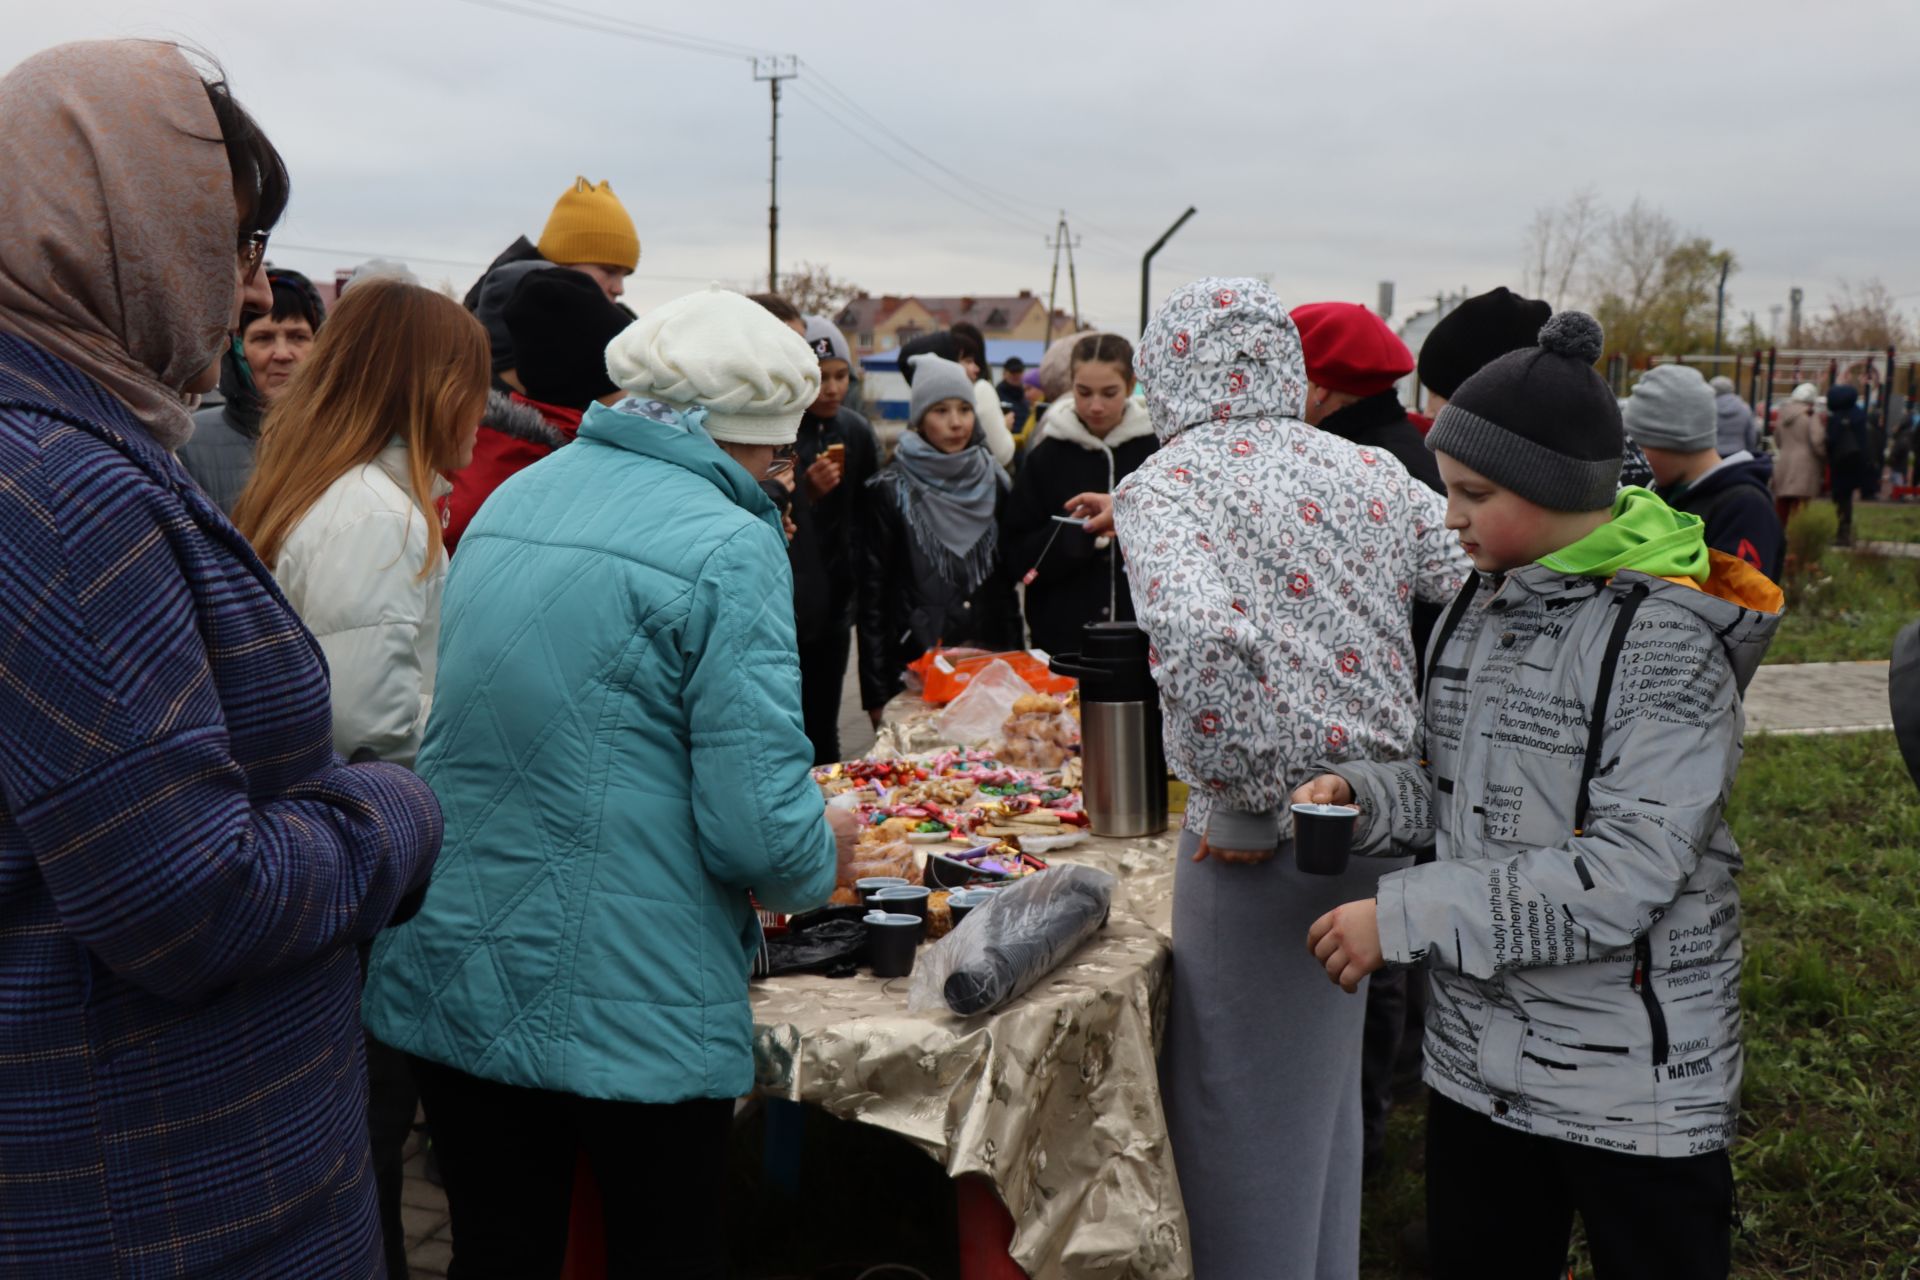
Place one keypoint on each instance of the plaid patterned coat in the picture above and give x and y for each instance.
(184, 867)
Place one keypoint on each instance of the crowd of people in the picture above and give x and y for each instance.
(407, 725)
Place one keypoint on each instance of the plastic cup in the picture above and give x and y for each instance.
(961, 905)
(867, 886)
(892, 938)
(908, 898)
(1323, 837)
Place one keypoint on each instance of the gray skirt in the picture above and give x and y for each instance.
(1260, 1070)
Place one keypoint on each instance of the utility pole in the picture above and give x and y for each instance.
(1063, 241)
(1720, 308)
(773, 70)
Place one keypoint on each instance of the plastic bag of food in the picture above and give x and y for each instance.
(1024, 933)
(946, 673)
(1039, 734)
(978, 715)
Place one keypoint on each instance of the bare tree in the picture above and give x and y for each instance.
(810, 286)
(1864, 318)
(1560, 243)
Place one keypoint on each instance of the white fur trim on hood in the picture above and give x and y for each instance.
(1063, 423)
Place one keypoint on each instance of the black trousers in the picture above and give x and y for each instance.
(391, 1099)
(508, 1157)
(1501, 1203)
(1380, 1054)
(823, 676)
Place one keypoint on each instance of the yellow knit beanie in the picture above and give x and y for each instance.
(589, 225)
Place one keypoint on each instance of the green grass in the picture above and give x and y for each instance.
(1828, 1159)
(1850, 610)
(1886, 522)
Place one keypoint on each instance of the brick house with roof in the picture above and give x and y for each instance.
(879, 324)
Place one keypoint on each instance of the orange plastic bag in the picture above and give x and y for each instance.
(944, 674)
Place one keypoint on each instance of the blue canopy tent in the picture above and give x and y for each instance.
(886, 387)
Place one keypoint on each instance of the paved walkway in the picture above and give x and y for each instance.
(1819, 697)
(1890, 550)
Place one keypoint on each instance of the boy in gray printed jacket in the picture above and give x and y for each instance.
(1581, 926)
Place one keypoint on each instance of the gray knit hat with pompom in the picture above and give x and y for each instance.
(1540, 421)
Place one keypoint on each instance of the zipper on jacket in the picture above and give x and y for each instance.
(1643, 983)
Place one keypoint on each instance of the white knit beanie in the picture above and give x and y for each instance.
(720, 350)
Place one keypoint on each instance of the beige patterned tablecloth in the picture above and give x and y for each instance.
(1055, 1099)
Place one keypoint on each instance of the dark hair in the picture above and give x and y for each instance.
(783, 311)
(294, 298)
(1104, 348)
(260, 181)
(972, 343)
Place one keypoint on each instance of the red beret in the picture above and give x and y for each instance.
(1350, 349)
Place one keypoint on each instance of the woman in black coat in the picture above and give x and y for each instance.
(933, 572)
(1088, 443)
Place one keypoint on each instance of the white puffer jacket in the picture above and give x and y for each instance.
(351, 568)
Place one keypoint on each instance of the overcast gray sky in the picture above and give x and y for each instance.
(1328, 145)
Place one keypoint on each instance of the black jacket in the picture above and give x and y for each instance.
(219, 455)
(521, 250)
(1736, 501)
(905, 607)
(1073, 583)
(1380, 422)
(826, 565)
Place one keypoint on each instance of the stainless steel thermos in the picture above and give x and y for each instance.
(1124, 761)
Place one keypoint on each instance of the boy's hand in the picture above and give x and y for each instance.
(823, 477)
(1328, 788)
(1347, 941)
(1096, 509)
(1243, 857)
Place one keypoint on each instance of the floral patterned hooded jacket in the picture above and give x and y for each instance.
(1273, 566)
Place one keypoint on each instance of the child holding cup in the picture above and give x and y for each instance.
(1580, 928)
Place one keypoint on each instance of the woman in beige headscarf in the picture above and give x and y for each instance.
(1802, 436)
(185, 865)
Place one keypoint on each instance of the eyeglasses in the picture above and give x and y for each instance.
(783, 461)
(253, 252)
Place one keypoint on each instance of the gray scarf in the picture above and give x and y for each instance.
(949, 501)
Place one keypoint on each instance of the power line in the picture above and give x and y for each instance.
(581, 18)
(610, 27)
(824, 81)
(958, 196)
(367, 255)
(362, 255)
(726, 47)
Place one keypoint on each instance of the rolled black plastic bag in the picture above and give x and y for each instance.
(1022, 934)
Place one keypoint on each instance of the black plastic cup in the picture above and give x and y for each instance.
(1323, 837)
(962, 904)
(892, 939)
(908, 898)
(867, 886)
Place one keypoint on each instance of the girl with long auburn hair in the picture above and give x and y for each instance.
(343, 508)
(343, 501)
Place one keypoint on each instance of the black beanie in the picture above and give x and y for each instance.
(561, 322)
(1476, 333)
(1541, 422)
(938, 343)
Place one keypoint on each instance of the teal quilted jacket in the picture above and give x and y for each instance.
(616, 743)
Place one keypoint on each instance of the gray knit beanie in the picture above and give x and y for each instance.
(1540, 421)
(936, 379)
(1672, 408)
